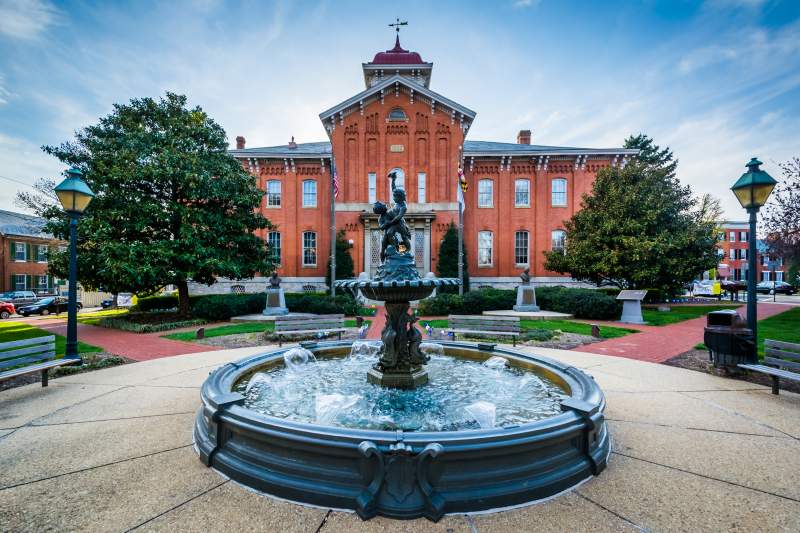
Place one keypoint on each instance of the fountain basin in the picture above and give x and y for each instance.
(404, 474)
(397, 290)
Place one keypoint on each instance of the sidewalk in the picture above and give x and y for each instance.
(136, 346)
(658, 344)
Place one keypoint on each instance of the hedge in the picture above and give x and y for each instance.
(225, 306)
(135, 327)
(582, 303)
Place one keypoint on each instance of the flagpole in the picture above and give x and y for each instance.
(461, 247)
(333, 229)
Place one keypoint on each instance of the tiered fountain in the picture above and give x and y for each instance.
(401, 427)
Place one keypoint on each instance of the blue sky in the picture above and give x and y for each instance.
(718, 81)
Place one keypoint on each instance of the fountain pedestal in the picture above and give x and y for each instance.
(401, 364)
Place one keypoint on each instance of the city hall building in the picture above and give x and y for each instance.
(518, 198)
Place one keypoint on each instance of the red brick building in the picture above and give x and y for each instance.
(519, 193)
(733, 250)
(23, 254)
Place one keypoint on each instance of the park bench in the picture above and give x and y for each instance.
(29, 356)
(484, 326)
(308, 324)
(781, 360)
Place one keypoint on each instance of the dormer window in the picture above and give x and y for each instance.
(397, 114)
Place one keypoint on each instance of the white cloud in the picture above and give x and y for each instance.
(4, 93)
(26, 19)
(526, 3)
(23, 161)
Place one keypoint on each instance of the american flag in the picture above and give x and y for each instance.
(335, 181)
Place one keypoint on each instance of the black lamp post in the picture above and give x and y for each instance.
(74, 195)
(752, 191)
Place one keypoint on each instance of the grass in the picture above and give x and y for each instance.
(234, 329)
(566, 326)
(679, 313)
(94, 317)
(783, 327)
(17, 331)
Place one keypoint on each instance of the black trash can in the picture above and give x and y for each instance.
(728, 339)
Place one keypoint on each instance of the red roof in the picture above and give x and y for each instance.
(397, 56)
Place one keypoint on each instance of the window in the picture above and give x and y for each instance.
(484, 248)
(397, 114)
(721, 236)
(779, 276)
(421, 187)
(559, 240)
(737, 274)
(485, 193)
(309, 193)
(521, 248)
(273, 193)
(732, 237)
(20, 251)
(742, 236)
(41, 282)
(41, 253)
(559, 192)
(19, 282)
(763, 260)
(522, 193)
(309, 248)
(743, 254)
(732, 254)
(765, 275)
(274, 246)
(372, 184)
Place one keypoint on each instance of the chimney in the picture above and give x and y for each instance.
(524, 137)
(240, 143)
(292, 144)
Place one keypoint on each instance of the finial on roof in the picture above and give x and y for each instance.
(292, 144)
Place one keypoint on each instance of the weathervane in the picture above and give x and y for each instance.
(397, 25)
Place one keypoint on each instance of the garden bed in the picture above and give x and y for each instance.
(149, 322)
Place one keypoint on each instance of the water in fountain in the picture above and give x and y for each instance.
(461, 394)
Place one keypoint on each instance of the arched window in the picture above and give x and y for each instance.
(521, 248)
(485, 243)
(273, 193)
(397, 114)
(559, 241)
(485, 193)
(274, 246)
(309, 248)
(559, 192)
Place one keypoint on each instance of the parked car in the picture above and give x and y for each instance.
(45, 306)
(108, 302)
(780, 287)
(6, 309)
(19, 297)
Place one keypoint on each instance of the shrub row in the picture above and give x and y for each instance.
(225, 306)
(582, 303)
(135, 327)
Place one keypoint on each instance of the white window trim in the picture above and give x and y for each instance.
(553, 192)
(280, 248)
(303, 193)
(732, 236)
(372, 187)
(38, 247)
(552, 248)
(422, 185)
(24, 282)
(528, 204)
(303, 251)
(527, 247)
(491, 249)
(280, 194)
(491, 196)
(24, 252)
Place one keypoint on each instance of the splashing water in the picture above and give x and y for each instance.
(462, 394)
(496, 362)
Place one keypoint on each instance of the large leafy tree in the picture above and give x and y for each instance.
(651, 155)
(172, 205)
(344, 261)
(639, 228)
(447, 267)
(781, 219)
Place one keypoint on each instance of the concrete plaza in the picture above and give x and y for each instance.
(112, 450)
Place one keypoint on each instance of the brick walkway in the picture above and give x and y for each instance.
(136, 346)
(378, 321)
(658, 344)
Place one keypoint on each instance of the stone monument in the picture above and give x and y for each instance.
(276, 302)
(526, 295)
(632, 306)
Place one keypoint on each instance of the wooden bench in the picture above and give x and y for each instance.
(781, 360)
(299, 325)
(29, 356)
(484, 325)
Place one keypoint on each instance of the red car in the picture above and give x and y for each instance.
(6, 309)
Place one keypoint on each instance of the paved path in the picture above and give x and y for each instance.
(658, 344)
(136, 346)
(111, 450)
(376, 326)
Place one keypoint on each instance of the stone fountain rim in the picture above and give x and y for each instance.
(421, 282)
(217, 390)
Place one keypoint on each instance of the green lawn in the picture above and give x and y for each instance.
(567, 326)
(783, 327)
(233, 329)
(17, 331)
(94, 317)
(679, 313)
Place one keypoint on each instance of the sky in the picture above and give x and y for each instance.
(718, 81)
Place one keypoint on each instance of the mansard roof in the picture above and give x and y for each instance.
(489, 148)
(303, 150)
(329, 116)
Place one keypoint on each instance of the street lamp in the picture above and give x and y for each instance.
(752, 191)
(74, 195)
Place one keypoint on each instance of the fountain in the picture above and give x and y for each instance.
(401, 427)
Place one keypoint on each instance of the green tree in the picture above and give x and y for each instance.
(781, 220)
(172, 205)
(447, 267)
(651, 155)
(638, 229)
(344, 261)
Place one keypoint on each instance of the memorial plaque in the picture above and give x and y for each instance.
(397, 148)
(632, 295)
(528, 297)
(273, 299)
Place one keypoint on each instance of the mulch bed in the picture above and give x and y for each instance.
(698, 361)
